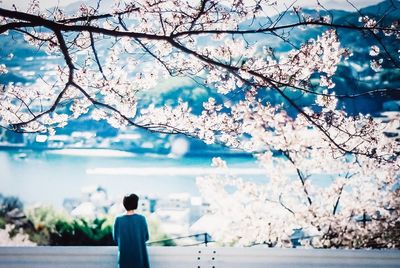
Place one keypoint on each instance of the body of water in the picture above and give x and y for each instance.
(47, 177)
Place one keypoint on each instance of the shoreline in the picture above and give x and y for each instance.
(21, 148)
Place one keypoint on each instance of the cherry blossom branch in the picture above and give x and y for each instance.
(300, 176)
(55, 26)
(96, 56)
(377, 38)
(283, 27)
(176, 40)
(284, 206)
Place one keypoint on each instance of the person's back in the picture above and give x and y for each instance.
(131, 234)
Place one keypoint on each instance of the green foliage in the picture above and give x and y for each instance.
(44, 220)
(51, 227)
(2, 223)
(82, 232)
(46, 216)
(55, 228)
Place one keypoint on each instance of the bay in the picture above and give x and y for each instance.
(49, 176)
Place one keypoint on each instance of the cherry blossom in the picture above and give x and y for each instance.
(374, 51)
(376, 65)
(330, 174)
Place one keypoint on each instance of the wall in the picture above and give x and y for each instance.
(186, 257)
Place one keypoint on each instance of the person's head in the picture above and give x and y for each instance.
(131, 202)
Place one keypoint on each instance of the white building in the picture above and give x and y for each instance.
(178, 212)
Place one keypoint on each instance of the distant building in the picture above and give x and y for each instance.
(59, 141)
(70, 204)
(198, 208)
(173, 213)
(147, 204)
(93, 203)
(126, 140)
(178, 212)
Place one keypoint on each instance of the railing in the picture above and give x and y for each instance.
(202, 239)
(198, 257)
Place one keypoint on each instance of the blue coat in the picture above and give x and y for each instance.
(130, 234)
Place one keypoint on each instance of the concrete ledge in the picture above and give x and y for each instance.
(186, 257)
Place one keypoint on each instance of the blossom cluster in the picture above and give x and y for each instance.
(112, 59)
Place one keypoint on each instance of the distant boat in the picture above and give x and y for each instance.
(20, 156)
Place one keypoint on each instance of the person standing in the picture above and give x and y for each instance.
(130, 234)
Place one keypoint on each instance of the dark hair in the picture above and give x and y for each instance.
(131, 202)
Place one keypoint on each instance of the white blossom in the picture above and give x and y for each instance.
(376, 65)
(374, 51)
(138, 45)
(3, 69)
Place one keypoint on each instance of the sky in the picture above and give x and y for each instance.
(330, 4)
(23, 4)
